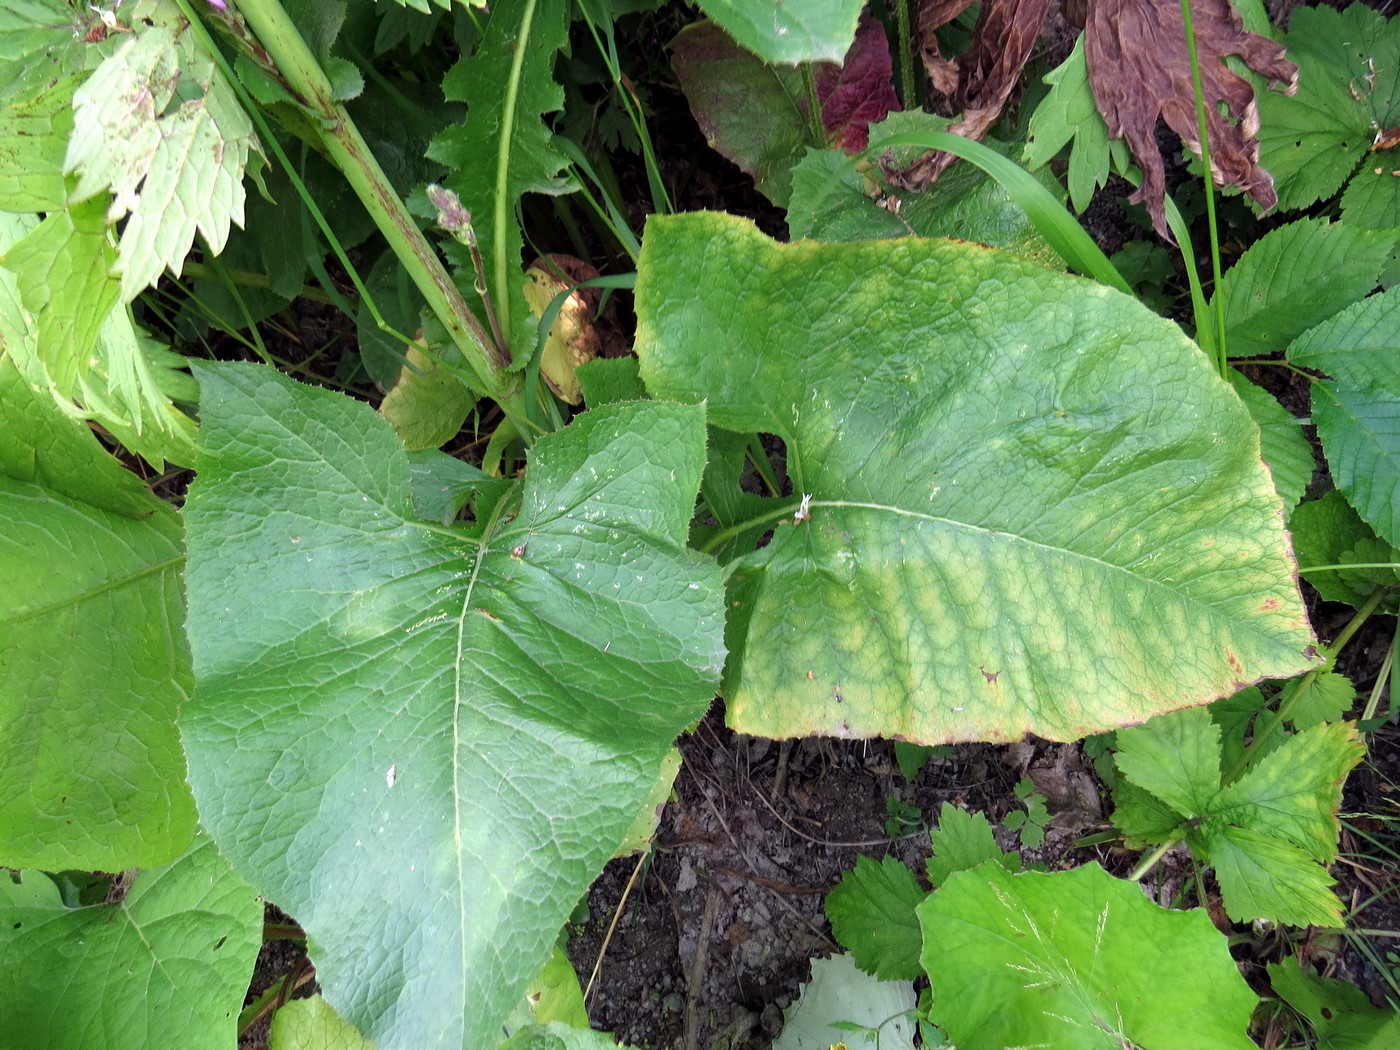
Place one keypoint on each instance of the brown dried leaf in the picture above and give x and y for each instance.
(987, 74)
(1139, 69)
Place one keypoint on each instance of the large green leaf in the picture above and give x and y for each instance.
(471, 719)
(1034, 507)
(1060, 961)
(1357, 409)
(789, 33)
(95, 665)
(33, 141)
(167, 964)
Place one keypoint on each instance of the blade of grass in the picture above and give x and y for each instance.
(1048, 215)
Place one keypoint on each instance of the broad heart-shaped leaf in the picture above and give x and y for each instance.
(167, 965)
(1057, 961)
(1033, 505)
(95, 664)
(1357, 409)
(506, 150)
(157, 125)
(787, 33)
(471, 721)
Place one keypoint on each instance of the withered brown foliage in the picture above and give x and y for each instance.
(1139, 70)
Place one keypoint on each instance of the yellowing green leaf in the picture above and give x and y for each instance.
(428, 404)
(1012, 528)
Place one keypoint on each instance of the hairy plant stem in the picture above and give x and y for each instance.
(815, 128)
(907, 89)
(348, 150)
(1150, 861)
(1203, 130)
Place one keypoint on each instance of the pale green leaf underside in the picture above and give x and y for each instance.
(94, 672)
(168, 965)
(387, 703)
(1056, 961)
(1034, 506)
(173, 164)
(789, 33)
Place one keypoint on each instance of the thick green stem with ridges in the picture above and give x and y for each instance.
(350, 153)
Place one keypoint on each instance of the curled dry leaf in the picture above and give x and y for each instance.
(573, 338)
(981, 81)
(1139, 69)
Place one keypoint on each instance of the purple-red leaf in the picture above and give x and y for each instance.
(859, 92)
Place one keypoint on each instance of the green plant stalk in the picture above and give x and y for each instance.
(906, 54)
(350, 153)
(1203, 129)
(816, 130)
(1150, 861)
(500, 214)
(1272, 723)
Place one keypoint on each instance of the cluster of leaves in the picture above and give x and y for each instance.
(351, 661)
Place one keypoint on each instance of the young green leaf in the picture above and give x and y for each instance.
(1357, 409)
(786, 34)
(1176, 757)
(1057, 961)
(1328, 531)
(167, 964)
(474, 717)
(158, 127)
(1295, 277)
(962, 841)
(1261, 876)
(984, 443)
(872, 916)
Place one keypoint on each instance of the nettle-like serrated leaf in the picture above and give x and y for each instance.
(1141, 815)
(473, 719)
(1055, 961)
(962, 841)
(158, 127)
(1010, 530)
(785, 33)
(1295, 277)
(1295, 791)
(1176, 757)
(1327, 698)
(167, 965)
(63, 270)
(95, 665)
(872, 916)
(1357, 409)
(1348, 91)
(123, 381)
(1284, 445)
(41, 40)
(505, 149)
(1328, 531)
(1260, 875)
(33, 141)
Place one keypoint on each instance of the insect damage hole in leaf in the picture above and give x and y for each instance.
(1012, 472)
